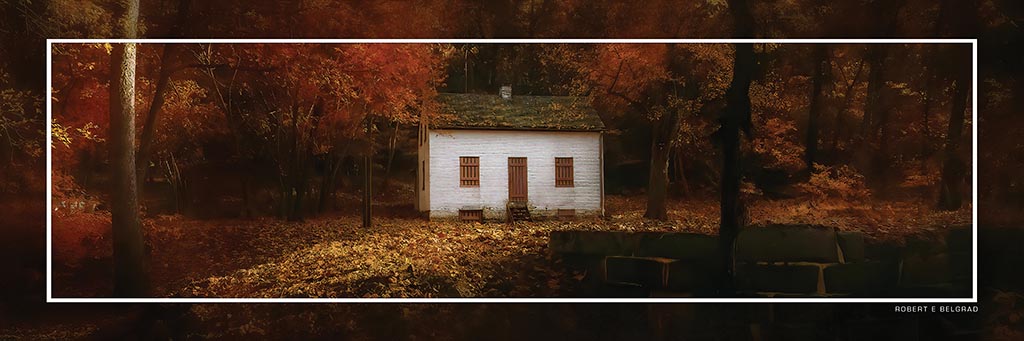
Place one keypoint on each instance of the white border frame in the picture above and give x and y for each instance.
(974, 162)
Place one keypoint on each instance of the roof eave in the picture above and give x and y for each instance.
(519, 128)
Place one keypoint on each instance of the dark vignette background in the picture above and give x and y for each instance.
(996, 23)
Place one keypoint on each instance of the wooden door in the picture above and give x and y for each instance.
(517, 183)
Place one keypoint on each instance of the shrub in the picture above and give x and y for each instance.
(81, 237)
(69, 198)
(843, 182)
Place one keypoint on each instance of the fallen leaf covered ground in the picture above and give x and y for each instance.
(332, 256)
(400, 258)
(407, 257)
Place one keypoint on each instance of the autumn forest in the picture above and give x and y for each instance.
(297, 170)
(262, 137)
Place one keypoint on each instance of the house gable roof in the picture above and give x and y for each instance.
(488, 111)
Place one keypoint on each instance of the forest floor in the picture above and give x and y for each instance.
(332, 256)
(408, 257)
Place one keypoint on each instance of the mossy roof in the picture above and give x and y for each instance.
(490, 111)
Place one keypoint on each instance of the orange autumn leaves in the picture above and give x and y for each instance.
(344, 82)
(392, 81)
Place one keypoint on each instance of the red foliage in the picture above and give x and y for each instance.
(81, 237)
(80, 232)
(79, 103)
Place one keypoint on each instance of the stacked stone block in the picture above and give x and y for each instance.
(769, 261)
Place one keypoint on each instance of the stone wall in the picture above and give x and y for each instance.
(769, 261)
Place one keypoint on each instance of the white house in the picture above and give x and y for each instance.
(497, 157)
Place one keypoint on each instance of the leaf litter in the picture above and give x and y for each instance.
(407, 257)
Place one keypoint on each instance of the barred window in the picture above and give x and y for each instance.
(563, 172)
(469, 171)
(566, 212)
(471, 215)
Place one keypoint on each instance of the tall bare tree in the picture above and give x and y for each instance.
(735, 117)
(954, 169)
(130, 272)
(368, 175)
(820, 75)
(876, 127)
(167, 67)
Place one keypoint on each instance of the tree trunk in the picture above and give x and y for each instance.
(149, 129)
(821, 72)
(130, 272)
(174, 179)
(927, 108)
(736, 116)
(300, 187)
(954, 169)
(657, 182)
(663, 133)
(882, 161)
(331, 179)
(326, 184)
(144, 155)
(247, 211)
(285, 184)
(676, 160)
(294, 164)
(368, 176)
(282, 208)
(872, 104)
(926, 148)
(874, 127)
(325, 188)
(297, 213)
(392, 148)
(847, 99)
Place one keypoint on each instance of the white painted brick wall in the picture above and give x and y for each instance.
(494, 147)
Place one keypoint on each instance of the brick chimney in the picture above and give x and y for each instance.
(506, 92)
